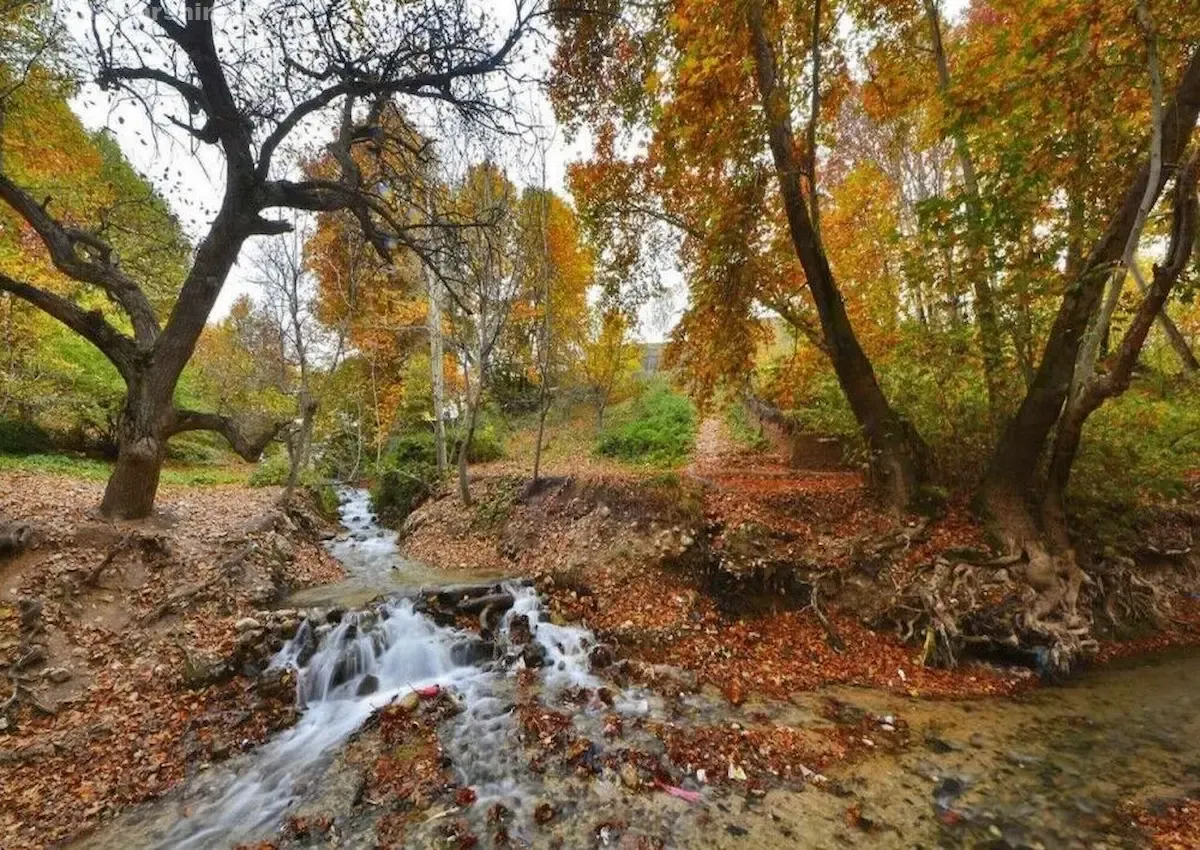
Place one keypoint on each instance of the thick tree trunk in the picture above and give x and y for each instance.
(897, 452)
(141, 450)
(1006, 486)
(1097, 389)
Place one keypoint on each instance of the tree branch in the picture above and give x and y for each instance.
(248, 447)
(99, 269)
(114, 345)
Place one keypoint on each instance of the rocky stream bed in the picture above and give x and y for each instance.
(453, 711)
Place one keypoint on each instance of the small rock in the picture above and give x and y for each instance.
(739, 831)
(629, 776)
(534, 655)
(368, 686)
(409, 702)
(600, 656)
(247, 624)
(58, 675)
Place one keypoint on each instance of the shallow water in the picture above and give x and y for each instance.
(371, 555)
(1049, 769)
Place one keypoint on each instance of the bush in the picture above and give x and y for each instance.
(271, 471)
(656, 428)
(407, 476)
(21, 437)
(400, 491)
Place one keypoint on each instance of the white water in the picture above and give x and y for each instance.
(402, 650)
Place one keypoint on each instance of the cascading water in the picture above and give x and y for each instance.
(369, 658)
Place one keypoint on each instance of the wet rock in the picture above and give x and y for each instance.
(600, 656)
(247, 624)
(519, 632)
(276, 682)
(368, 686)
(629, 776)
(335, 615)
(534, 655)
(474, 651)
(947, 790)
(201, 670)
(409, 702)
(474, 605)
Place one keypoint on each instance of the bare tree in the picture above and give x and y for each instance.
(250, 85)
(288, 290)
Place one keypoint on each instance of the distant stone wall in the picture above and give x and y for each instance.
(801, 449)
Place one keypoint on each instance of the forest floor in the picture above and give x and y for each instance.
(135, 656)
(127, 648)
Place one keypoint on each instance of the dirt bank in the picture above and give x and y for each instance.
(127, 646)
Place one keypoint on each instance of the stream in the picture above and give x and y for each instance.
(1047, 770)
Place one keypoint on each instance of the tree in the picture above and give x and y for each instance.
(245, 90)
(284, 279)
(485, 261)
(729, 93)
(611, 361)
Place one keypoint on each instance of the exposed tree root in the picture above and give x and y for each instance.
(958, 609)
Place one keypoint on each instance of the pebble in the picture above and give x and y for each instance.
(58, 675)
(247, 624)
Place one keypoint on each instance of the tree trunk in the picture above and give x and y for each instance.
(437, 369)
(1097, 389)
(141, 450)
(299, 453)
(464, 448)
(897, 452)
(977, 243)
(1014, 460)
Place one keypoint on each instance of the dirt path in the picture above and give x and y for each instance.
(745, 486)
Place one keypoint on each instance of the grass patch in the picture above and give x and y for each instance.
(657, 428)
(90, 469)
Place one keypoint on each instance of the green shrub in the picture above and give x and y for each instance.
(272, 470)
(488, 442)
(657, 428)
(400, 491)
(407, 475)
(21, 437)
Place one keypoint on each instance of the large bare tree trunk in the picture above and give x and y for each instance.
(897, 451)
(141, 451)
(437, 369)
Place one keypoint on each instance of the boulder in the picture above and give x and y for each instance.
(474, 651)
(247, 624)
